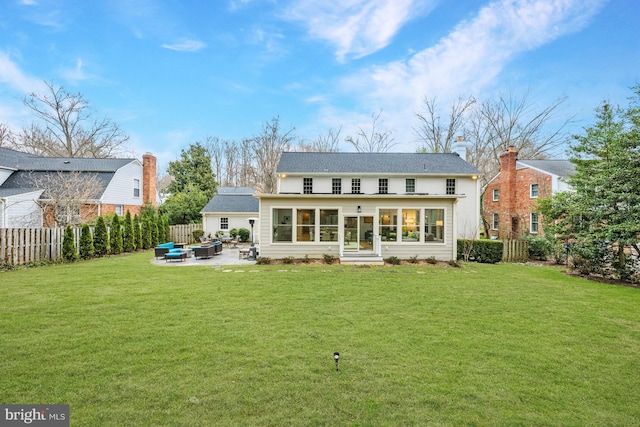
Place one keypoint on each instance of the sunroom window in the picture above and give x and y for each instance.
(410, 225)
(305, 225)
(388, 225)
(281, 225)
(434, 225)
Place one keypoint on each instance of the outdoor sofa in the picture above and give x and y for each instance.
(207, 251)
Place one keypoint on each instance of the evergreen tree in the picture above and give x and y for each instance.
(137, 231)
(146, 232)
(68, 245)
(100, 238)
(128, 237)
(86, 243)
(154, 230)
(115, 236)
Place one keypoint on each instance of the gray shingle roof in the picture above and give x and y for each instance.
(26, 180)
(561, 168)
(401, 163)
(29, 162)
(233, 199)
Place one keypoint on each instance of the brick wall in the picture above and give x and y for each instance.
(514, 205)
(149, 180)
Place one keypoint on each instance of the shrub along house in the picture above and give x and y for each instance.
(27, 181)
(369, 205)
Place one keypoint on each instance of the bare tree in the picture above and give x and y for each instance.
(513, 121)
(328, 142)
(7, 139)
(267, 148)
(68, 127)
(66, 194)
(436, 135)
(232, 163)
(215, 149)
(373, 141)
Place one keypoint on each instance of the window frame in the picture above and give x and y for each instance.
(435, 229)
(356, 186)
(531, 191)
(495, 221)
(533, 215)
(307, 185)
(410, 185)
(224, 223)
(383, 185)
(336, 185)
(495, 194)
(450, 186)
(136, 188)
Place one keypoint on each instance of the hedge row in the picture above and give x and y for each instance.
(486, 251)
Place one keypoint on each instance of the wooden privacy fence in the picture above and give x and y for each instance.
(24, 245)
(183, 233)
(515, 251)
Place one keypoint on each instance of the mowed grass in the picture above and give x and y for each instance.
(124, 342)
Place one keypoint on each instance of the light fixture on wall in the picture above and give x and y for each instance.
(439, 223)
(359, 209)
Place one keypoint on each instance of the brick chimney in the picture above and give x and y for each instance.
(149, 180)
(507, 191)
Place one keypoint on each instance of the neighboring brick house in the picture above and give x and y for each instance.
(510, 199)
(124, 185)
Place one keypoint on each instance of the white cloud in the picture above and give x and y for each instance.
(470, 58)
(185, 45)
(356, 27)
(12, 75)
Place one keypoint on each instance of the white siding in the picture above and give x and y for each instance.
(4, 174)
(211, 222)
(120, 189)
(348, 206)
(21, 210)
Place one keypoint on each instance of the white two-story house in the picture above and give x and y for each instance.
(369, 205)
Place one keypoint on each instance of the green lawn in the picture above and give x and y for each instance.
(126, 343)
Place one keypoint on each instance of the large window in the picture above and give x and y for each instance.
(411, 225)
(388, 225)
(281, 225)
(307, 185)
(434, 225)
(328, 225)
(410, 185)
(336, 186)
(534, 223)
(355, 185)
(383, 185)
(305, 225)
(451, 186)
(534, 191)
(224, 223)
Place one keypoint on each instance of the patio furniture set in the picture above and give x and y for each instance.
(177, 252)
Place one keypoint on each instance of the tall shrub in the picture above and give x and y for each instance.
(154, 230)
(137, 231)
(86, 243)
(100, 238)
(115, 236)
(68, 245)
(128, 238)
(146, 232)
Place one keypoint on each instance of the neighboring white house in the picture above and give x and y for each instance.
(125, 184)
(231, 207)
(370, 204)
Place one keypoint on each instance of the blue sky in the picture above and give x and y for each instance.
(173, 72)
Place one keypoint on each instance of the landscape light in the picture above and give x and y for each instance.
(336, 356)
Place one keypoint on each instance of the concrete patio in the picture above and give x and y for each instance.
(229, 256)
